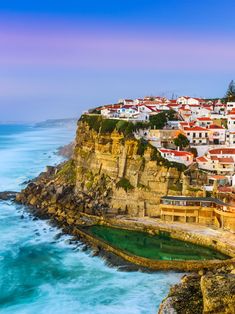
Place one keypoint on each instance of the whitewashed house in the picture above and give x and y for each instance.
(217, 134)
(182, 157)
(197, 135)
(218, 160)
(203, 122)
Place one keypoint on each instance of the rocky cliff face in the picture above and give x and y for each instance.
(134, 182)
(203, 293)
(110, 173)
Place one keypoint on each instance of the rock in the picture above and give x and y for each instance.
(218, 293)
(184, 298)
(8, 195)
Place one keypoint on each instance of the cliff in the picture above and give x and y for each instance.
(133, 174)
(110, 172)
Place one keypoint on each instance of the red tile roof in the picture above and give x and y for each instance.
(195, 128)
(175, 152)
(226, 160)
(201, 159)
(204, 119)
(222, 151)
(215, 126)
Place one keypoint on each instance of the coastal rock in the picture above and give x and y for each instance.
(7, 195)
(212, 292)
(185, 298)
(218, 293)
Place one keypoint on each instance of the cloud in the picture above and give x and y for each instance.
(98, 48)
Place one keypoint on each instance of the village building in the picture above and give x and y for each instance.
(218, 160)
(202, 210)
(197, 135)
(182, 157)
(217, 134)
(230, 138)
(186, 100)
(230, 106)
(203, 122)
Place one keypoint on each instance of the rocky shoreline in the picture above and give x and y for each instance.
(208, 290)
(211, 292)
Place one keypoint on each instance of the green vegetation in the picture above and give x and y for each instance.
(193, 150)
(124, 184)
(99, 124)
(142, 146)
(230, 94)
(67, 173)
(159, 120)
(181, 141)
(108, 125)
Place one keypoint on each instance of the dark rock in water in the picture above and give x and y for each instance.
(84, 248)
(8, 195)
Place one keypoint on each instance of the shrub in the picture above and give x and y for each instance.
(124, 184)
(108, 125)
(68, 172)
(142, 146)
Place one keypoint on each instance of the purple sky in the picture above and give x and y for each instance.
(56, 66)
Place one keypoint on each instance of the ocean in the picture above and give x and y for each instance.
(41, 271)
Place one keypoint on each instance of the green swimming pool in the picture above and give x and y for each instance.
(157, 247)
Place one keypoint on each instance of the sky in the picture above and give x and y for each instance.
(58, 58)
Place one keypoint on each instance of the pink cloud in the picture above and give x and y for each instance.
(80, 47)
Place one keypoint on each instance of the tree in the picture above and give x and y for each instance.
(181, 141)
(231, 90)
(158, 121)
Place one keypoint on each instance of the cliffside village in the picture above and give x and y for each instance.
(209, 126)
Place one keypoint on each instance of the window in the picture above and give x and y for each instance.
(194, 134)
(200, 134)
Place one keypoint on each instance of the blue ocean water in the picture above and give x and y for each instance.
(41, 272)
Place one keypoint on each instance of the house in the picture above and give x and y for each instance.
(185, 113)
(231, 120)
(219, 108)
(162, 138)
(182, 157)
(132, 113)
(218, 160)
(217, 134)
(230, 138)
(204, 122)
(230, 106)
(197, 135)
(218, 165)
(186, 100)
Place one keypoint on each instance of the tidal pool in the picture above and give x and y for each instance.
(157, 247)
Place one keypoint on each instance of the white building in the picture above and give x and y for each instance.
(230, 106)
(218, 160)
(204, 122)
(186, 100)
(217, 134)
(197, 135)
(182, 157)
